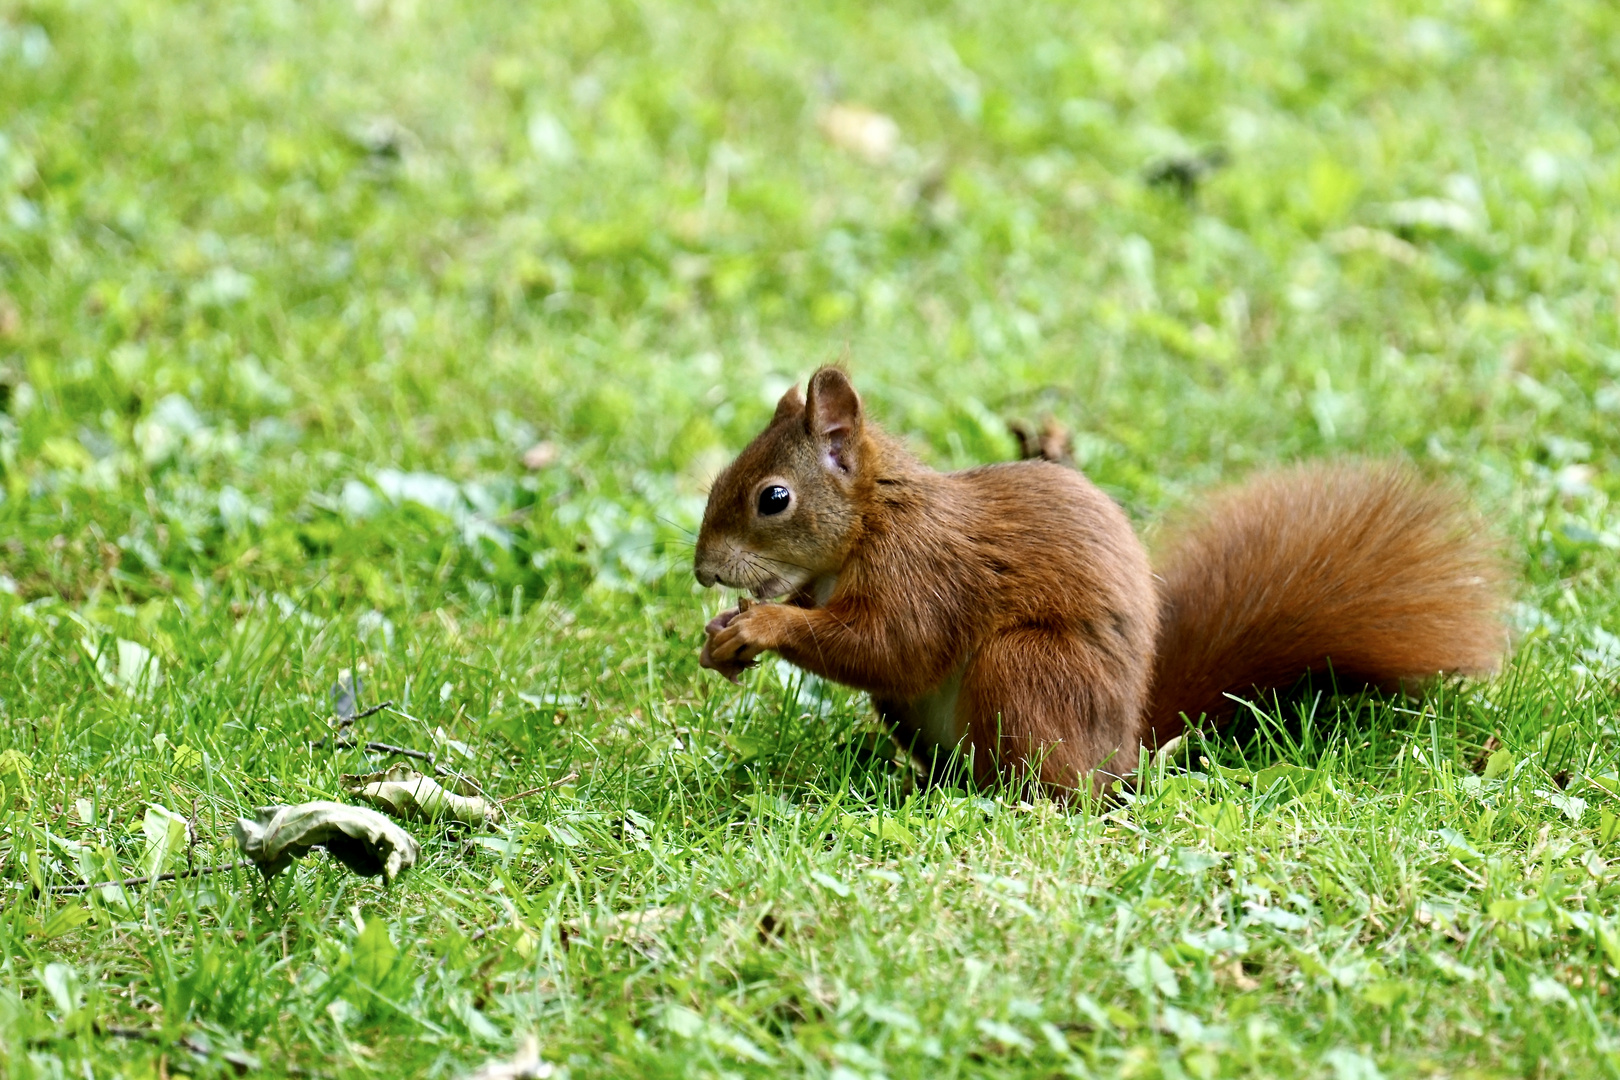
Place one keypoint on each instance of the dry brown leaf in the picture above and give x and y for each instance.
(642, 925)
(1377, 241)
(524, 1065)
(638, 929)
(406, 793)
(361, 839)
(542, 455)
(864, 132)
(1240, 978)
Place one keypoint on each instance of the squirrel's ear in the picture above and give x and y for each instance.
(833, 415)
(791, 404)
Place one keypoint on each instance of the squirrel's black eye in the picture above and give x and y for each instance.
(774, 500)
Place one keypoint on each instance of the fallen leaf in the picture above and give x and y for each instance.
(406, 793)
(1434, 215)
(830, 882)
(361, 839)
(641, 926)
(241, 1060)
(1550, 991)
(861, 131)
(383, 137)
(128, 666)
(524, 1065)
(165, 835)
(62, 983)
(644, 930)
(1240, 978)
(1572, 806)
(427, 489)
(540, 456)
(1377, 241)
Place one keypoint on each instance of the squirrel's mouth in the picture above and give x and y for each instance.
(749, 572)
(772, 589)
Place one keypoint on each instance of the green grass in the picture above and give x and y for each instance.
(286, 289)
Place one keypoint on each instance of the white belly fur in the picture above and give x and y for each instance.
(822, 588)
(934, 717)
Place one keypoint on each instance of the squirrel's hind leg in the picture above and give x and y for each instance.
(1052, 707)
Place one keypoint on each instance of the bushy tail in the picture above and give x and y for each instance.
(1366, 569)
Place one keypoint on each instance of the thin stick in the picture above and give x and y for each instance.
(175, 876)
(372, 710)
(403, 751)
(346, 722)
(389, 748)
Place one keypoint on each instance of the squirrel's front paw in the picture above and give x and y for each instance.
(707, 658)
(735, 638)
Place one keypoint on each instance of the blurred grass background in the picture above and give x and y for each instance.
(288, 289)
(420, 236)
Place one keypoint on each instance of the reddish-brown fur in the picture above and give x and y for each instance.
(1362, 567)
(1010, 610)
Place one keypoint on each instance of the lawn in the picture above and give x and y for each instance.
(289, 291)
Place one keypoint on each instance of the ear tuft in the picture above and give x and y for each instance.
(790, 405)
(833, 415)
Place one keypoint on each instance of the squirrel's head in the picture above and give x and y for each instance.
(785, 512)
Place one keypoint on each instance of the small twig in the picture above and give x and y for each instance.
(86, 886)
(342, 742)
(387, 748)
(191, 837)
(345, 722)
(373, 710)
(559, 782)
(403, 751)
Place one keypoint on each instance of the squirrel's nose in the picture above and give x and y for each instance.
(705, 577)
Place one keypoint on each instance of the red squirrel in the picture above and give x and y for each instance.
(1010, 611)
